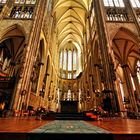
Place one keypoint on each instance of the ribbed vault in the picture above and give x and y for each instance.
(70, 17)
(126, 49)
(70, 20)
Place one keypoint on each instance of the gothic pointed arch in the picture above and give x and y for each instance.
(13, 30)
(12, 54)
(128, 32)
(125, 46)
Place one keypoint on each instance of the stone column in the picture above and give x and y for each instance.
(67, 52)
(32, 49)
(62, 63)
(120, 99)
(108, 81)
(130, 94)
(136, 82)
(72, 64)
(103, 44)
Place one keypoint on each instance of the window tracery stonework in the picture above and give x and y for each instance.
(68, 63)
(116, 11)
(23, 9)
(22, 12)
(117, 14)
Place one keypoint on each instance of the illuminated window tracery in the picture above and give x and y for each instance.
(68, 63)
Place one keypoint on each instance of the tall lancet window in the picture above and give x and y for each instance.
(74, 60)
(69, 60)
(61, 60)
(64, 64)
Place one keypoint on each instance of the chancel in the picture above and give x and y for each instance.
(72, 65)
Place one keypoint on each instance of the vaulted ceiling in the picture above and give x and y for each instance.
(126, 49)
(70, 21)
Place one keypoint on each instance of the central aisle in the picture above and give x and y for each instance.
(70, 126)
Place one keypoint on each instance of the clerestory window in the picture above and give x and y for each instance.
(135, 3)
(25, 1)
(116, 11)
(114, 3)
